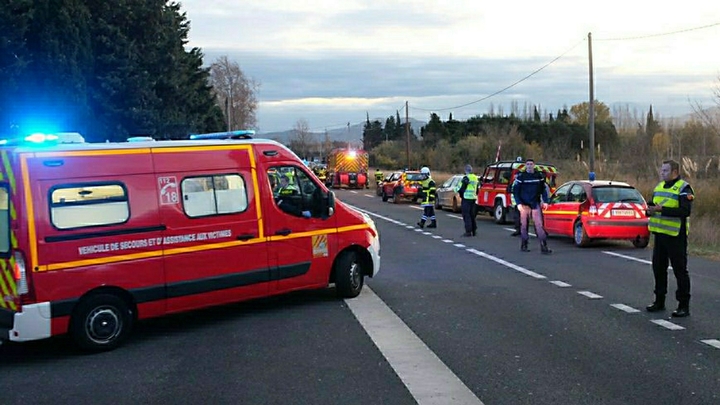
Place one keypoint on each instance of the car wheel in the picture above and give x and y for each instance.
(101, 322)
(384, 196)
(499, 213)
(349, 277)
(437, 204)
(641, 243)
(580, 237)
(455, 206)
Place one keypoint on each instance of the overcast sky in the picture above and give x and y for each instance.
(330, 62)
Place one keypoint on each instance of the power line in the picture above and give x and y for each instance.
(660, 34)
(506, 88)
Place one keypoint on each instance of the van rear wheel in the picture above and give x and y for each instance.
(101, 322)
(349, 277)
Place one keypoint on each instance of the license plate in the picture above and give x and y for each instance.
(623, 213)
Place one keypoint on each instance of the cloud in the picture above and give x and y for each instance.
(331, 62)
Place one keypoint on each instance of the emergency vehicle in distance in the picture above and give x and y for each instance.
(347, 168)
(494, 188)
(94, 237)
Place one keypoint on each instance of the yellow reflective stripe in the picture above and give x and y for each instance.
(9, 170)
(7, 284)
(196, 248)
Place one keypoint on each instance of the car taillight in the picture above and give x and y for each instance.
(20, 274)
(593, 210)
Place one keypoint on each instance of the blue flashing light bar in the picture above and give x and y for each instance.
(41, 138)
(241, 134)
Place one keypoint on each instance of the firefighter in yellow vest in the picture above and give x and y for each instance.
(468, 188)
(378, 176)
(428, 199)
(669, 212)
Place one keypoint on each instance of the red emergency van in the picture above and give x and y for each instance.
(94, 237)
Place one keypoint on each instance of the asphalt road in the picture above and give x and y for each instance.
(447, 320)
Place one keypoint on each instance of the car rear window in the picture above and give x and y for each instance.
(617, 194)
(414, 176)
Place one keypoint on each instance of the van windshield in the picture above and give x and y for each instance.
(4, 218)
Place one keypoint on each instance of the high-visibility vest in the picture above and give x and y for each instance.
(471, 189)
(287, 190)
(670, 198)
(378, 175)
(428, 189)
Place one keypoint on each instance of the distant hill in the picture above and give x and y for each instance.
(354, 134)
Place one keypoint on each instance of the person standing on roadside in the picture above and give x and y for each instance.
(467, 188)
(669, 212)
(515, 210)
(427, 194)
(531, 195)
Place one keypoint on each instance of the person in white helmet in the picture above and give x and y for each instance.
(427, 201)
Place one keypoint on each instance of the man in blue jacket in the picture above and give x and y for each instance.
(531, 197)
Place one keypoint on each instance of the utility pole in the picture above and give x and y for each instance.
(591, 118)
(407, 134)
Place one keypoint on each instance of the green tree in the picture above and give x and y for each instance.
(433, 132)
(581, 113)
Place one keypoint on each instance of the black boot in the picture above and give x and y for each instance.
(433, 224)
(544, 249)
(524, 246)
(421, 224)
(682, 311)
(658, 305)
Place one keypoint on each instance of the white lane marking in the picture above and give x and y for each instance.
(353, 191)
(590, 295)
(635, 259)
(560, 283)
(437, 237)
(409, 227)
(448, 241)
(415, 207)
(460, 245)
(627, 257)
(506, 264)
(419, 230)
(369, 195)
(455, 216)
(427, 378)
(666, 324)
(426, 233)
(712, 342)
(625, 308)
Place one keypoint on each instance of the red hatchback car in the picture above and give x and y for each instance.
(600, 209)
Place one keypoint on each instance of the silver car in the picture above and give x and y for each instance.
(445, 195)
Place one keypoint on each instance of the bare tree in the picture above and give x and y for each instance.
(235, 93)
(302, 140)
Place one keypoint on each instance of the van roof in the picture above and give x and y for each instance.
(140, 144)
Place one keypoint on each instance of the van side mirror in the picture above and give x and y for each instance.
(330, 202)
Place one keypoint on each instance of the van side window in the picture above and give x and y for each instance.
(295, 192)
(4, 218)
(214, 195)
(82, 205)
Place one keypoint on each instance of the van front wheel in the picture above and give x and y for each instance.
(101, 322)
(349, 278)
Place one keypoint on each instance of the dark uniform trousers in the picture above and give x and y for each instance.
(468, 212)
(671, 249)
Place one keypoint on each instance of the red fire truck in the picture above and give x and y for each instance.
(347, 168)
